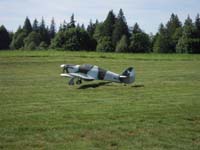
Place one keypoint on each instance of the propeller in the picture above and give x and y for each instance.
(63, 66)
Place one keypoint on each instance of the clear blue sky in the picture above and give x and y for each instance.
(148, 13)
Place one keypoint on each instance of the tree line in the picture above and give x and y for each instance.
(111, 35)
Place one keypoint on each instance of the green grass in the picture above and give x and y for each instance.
(38, 110)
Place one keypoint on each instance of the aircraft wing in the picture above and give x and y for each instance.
(82, 76)
(77, 75)
(66, 75)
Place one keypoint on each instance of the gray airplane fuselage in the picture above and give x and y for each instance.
(92, 72)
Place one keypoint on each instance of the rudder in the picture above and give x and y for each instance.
(128, 76)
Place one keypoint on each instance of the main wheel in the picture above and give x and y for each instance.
(78, 82)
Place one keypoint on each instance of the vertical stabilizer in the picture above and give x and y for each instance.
(128, 76)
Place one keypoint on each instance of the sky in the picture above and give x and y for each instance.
(147, 13)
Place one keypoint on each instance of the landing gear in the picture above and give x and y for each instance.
(79, 81)
(71, 82)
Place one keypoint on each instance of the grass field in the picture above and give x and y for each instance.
(38, 110)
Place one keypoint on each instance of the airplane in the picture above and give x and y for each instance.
(89, 72)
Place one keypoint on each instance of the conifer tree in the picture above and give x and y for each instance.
(52, 30)
(172, 27)
(185, 43)
(139, 41)
(42, 25)
(162, 40)
(91, 28)
(108, 25)
(197, 26)
(72, 22)
(64, 25)
(27, 26)
(4, 38)
(121, 28)
(173, 24)
(43, 31)
(35, 25)
(98, 33)
(136, 29)
(83, 27)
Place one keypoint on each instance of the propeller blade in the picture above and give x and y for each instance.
(62, 66)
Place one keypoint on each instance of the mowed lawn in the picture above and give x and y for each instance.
(39, 110)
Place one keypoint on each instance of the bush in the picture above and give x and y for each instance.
(43, 46)
(122, 45)
(105, 45)
(140, 43)
(31, 46)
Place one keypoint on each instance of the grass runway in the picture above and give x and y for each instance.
(39, 110)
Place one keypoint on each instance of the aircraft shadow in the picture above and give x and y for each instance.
(137, 86)
(94, 85)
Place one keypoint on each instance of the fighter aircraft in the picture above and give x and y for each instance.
(89, 72)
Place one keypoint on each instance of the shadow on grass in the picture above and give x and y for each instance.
(94, 85)
(137, 86)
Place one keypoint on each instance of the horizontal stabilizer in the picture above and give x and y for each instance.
(122, 77)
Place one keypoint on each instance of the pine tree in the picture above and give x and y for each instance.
(121, 28)
(4, 38)
(91, 28)
(64, 26)
(72, 22)
(162, 40)
(189, 27)
(35, 25)
(27, 26)
(43, 31)
(83, 27)
(186, 42)
(197, 26)
(136, 29)
(139, 41)
(196, 40)
(98, 33)
(108, 25)
(42, 25)
(172, 26)
(52, 30)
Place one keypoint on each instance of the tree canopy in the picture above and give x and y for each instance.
(111, 35)
(4, 38)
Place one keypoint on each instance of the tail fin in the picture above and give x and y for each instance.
(128, 76)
